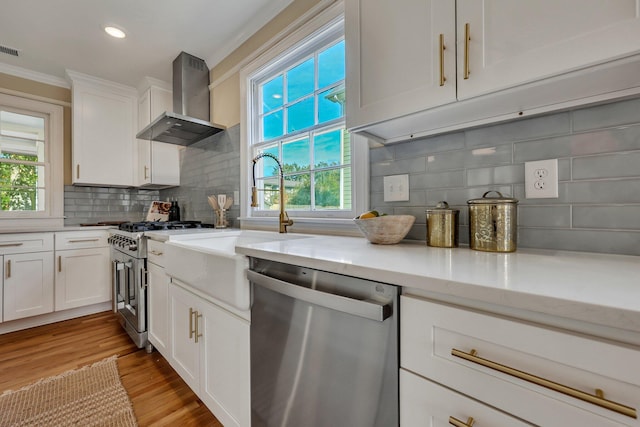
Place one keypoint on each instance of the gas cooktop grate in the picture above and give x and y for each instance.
(160, 225)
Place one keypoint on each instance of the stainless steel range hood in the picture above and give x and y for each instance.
(189, 121)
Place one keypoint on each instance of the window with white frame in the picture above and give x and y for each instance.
(296, 113)
(22, 161)
(30, 160)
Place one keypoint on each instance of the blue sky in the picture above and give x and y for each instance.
(300, 109)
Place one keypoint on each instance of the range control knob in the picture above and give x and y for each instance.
(133, 247)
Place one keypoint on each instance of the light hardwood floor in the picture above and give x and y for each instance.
(159, 396)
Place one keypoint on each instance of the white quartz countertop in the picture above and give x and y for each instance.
(596, 288)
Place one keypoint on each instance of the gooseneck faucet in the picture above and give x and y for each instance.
(283, 220)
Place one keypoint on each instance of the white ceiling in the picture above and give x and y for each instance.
(54, 35)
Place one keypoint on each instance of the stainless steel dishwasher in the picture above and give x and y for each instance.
(324, 348)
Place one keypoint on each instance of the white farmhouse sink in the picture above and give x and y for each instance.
(210, 264)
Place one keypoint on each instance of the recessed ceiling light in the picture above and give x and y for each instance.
(115, 32)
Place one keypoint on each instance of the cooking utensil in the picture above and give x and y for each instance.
(213, 202)
(228, 203)
(493, 223)
(222, 199)
(442, 226)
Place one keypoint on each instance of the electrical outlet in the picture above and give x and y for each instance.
(396, 188)
(541, 179)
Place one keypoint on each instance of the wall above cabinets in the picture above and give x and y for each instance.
(432, 67)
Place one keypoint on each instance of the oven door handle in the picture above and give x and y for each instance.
(116, 268)
(372, 310)
(115, 281)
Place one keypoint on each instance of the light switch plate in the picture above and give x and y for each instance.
(396, 188)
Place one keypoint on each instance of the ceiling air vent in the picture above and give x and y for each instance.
(9, 50)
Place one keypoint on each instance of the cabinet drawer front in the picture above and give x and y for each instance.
(81, 239)
(25, 242)
(426, 404)
(431, 333)
(155, 252)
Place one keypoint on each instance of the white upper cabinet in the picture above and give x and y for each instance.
(417, 68)
(400, 58)
(158, 162)
(104, 117)
(512, 43)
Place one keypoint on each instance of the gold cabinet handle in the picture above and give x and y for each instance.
(467, 38)
(83, 240)
(59, 263)
(78, 171)
(156, 253)
(442, 48)
(8, 268)
(197, 333)
(596, 399)
(146, 172)
(456, 422)
(191, 322)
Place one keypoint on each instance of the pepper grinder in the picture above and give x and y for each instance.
(174, 211)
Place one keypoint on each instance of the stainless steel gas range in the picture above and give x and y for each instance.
(129, 265)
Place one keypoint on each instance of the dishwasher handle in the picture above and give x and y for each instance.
(368, 309)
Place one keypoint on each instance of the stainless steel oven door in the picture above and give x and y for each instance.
(129, 286)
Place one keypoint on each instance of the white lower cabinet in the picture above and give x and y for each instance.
(158, 298)
(540, 375)
(185, 335)
(27, 285)
(426, 404)
(83, 269)
(210, 351)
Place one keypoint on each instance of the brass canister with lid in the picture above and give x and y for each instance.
(493, 223)
(442, 226)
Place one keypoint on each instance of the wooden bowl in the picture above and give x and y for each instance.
(385, 230)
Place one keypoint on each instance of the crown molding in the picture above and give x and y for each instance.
(34, 75)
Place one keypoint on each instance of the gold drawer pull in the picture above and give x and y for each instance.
(456, 422)
(596, 399)
(83, 240)
(155, 253)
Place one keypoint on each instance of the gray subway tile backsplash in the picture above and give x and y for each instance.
(618, 217)
(94, 204)
(598, 152)
(607, 166)
(607, 115)
(519, 130)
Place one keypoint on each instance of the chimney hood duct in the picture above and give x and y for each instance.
(189, 121)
